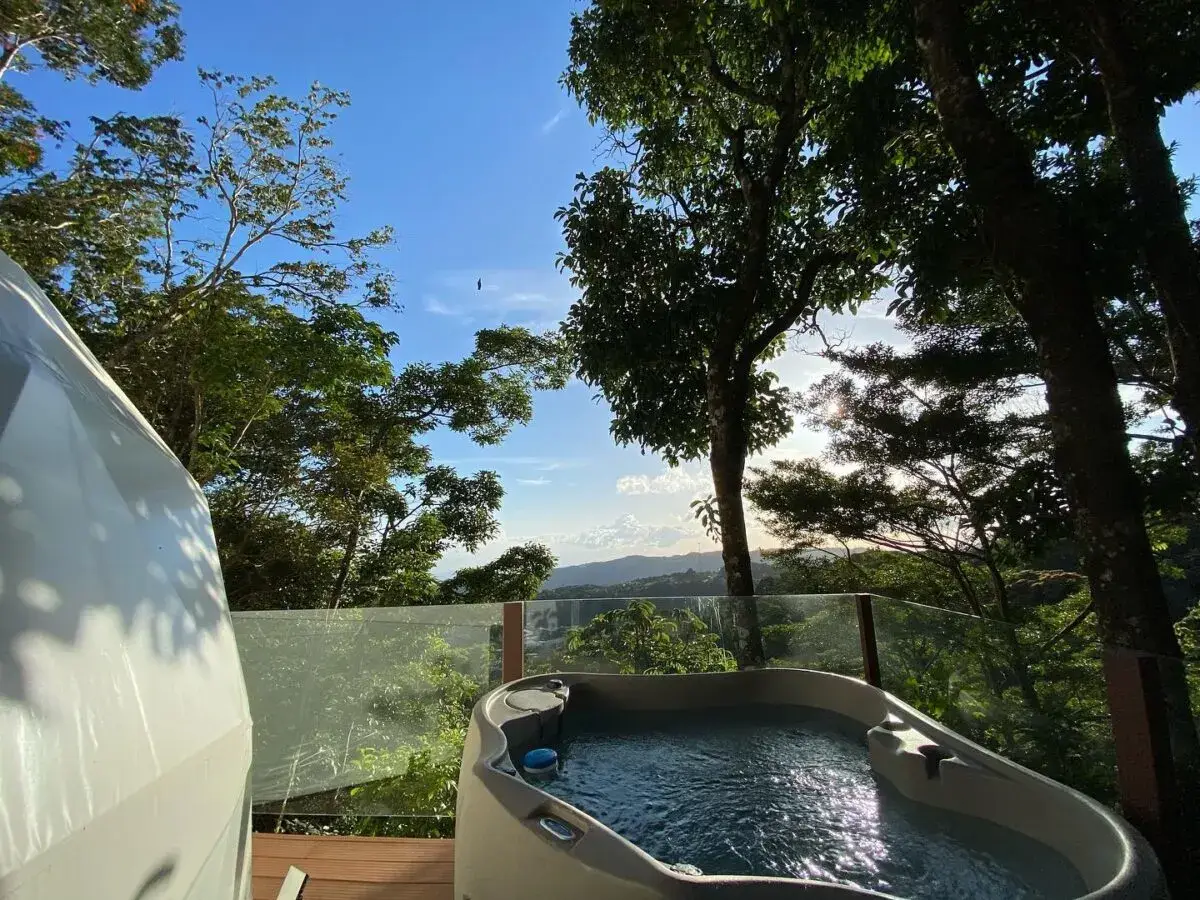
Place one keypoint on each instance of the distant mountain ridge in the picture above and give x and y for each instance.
(631, 568)
(676, 584)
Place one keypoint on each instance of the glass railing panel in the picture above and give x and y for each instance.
(1038, 703)
(362, 712)
(662, 635)
(690, 634)
(817, 631)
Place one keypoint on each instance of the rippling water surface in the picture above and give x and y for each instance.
(787, 794)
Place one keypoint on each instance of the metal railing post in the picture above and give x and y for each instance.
(512, 642)
(866, 639)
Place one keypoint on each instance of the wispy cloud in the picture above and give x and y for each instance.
(538, 326)
(527, 300)
(537, 299)
(438, 308)
(533, 482)
(551, 123)
(555, 465)
(536, 463)
(676, 480)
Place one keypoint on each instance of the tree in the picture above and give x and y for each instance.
(353, 471)
(899, 576)
(155, 223)
(120, 41)
(201, 264)
(1034, 240)
(942, 474)
(1143, 67)
(516, 574)
(640, 640)
(712, 240)
(22, 131)
(1011, 119)
(940, 450)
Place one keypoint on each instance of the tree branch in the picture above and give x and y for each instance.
(737, 152)
(13, 51)
(795, 309)
(1069, 627)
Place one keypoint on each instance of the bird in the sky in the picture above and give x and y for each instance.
(479, 284)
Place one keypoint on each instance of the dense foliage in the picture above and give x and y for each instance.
(640, 640)
(120, 41)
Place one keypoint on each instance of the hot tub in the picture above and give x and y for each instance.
(684, 764)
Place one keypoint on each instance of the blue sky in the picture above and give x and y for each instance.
(461, 138)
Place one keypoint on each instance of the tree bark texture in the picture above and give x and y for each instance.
(1166, 240)
(1031, 237)
(727, 459)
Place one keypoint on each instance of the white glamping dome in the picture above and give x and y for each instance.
(124, 728)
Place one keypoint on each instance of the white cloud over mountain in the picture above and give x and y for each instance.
(626, 533)
(678, 480)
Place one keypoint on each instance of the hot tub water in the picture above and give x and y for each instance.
(787, 793)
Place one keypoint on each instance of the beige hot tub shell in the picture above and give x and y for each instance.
(502, 851)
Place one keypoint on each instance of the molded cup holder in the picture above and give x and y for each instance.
(933, 756)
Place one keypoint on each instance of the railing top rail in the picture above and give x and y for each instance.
(846, 597)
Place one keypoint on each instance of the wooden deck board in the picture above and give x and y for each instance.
(354, 868)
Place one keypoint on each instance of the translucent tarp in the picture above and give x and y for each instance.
(344, 697)
(124, 728)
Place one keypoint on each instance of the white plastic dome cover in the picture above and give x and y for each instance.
(124, 727)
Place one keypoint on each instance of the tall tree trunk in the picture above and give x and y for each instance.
(727, 459)
(1031, 237)
(1165, 235)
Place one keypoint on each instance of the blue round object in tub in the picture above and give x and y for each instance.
(542, 761)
